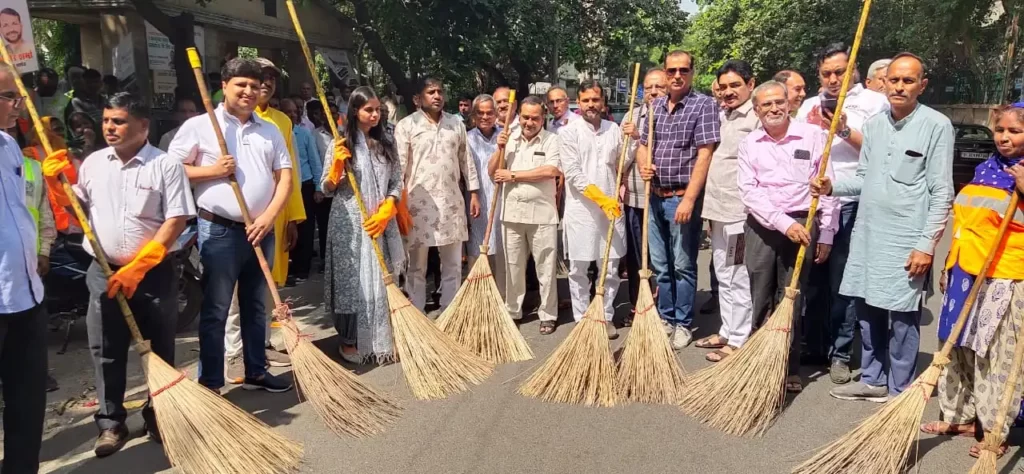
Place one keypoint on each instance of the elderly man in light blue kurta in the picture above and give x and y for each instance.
(905, 184)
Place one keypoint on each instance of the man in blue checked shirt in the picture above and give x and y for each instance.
(310, 168)
(686, 131)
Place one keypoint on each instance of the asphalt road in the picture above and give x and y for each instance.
(491, 429)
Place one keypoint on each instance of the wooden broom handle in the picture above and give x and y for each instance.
(141, 345)
(197, 68)
(363, 212)
(645, 271)
(618, 182)
(994, 437)
(485, 245)
(827, 153)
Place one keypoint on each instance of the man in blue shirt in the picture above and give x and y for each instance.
(22, 314)
(310, 167)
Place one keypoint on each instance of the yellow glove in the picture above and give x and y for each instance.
(341, 154)
(376, 224)
(53, 166)
(610, 206)
(127, 279)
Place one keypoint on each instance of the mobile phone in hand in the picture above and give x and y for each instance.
(829, 103)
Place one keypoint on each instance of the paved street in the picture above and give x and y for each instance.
(493, 430)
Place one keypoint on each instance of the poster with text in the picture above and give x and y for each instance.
(16, 29)
(161, 51)
(338, 62)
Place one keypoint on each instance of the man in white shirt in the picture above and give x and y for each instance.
(483, 143)
(184, 109)
(529, 214)
(22, 315)
(558, 104)
(138, 201)
(860, 105)
(257, 149)
(589, 155)
(724, 209)
(501, 96)
(875, 79)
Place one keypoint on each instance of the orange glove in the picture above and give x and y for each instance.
(610, 206)
(127, 279)
(53, 166)
(341, 154)
(376, 224)
(404, 218)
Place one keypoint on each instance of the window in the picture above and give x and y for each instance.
(270, 8)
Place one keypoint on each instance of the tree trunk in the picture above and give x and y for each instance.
(525, 73)
(180, 30)
(364, 25)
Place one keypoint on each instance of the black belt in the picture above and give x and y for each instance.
(224, 221)
(797, 215)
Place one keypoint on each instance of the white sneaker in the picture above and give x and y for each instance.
(669, 328)
(681, 338)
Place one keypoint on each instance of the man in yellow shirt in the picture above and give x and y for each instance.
(286, 225)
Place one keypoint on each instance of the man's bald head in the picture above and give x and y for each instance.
(910, 60)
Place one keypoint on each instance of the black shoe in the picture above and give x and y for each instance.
(51, 384)
(110, 441)
(268, 382)
(289, 282)
(150, 426)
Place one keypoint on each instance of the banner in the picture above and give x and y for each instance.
(16, 28)
(161, 51)
(337, 61)
(124, 58)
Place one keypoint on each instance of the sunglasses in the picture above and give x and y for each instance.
(682, 71)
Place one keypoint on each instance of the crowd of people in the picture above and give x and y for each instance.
(746, 160)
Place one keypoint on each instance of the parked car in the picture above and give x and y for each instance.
(973, 145)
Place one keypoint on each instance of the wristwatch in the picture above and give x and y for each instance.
(845, 133)
(513, 176)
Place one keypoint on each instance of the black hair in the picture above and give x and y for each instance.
(466, 97)
(679, 52)
(48, 72)
(533, 100)
(134, 104)
(91, 74)
(10, 11)
(183, 98)
(738, 66)
(378, 138)
(832, 50)
(111, 80)
(241, 67)
(590, 85)
(424, 82)
(314, 106)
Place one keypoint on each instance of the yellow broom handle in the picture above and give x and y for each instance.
(618, 180)
(847, 78)
(334, 132)
(101, 257)
(497, 189)
(645, 272)
(197, 69)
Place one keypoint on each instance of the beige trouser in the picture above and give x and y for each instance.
(521, 241)
(970, 386)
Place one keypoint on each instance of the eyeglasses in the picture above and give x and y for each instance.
(682, 71)
(12, 97)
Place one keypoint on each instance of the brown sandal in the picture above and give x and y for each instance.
(719, 355)
(706, 343)
(794, 384)
(547, 327)
(978, 447)
(945, 428)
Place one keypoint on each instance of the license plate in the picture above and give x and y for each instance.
(974, 155)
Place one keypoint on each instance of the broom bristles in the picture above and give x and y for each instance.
(744, 393)
(345, 404)
(435, 366)
(203, 433)
(478, 320)
(581, 369)
(881, 443)
(986, 463)
(648, 369)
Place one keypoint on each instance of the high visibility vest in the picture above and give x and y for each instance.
(61, 217)
(33, 173)
(977, 213)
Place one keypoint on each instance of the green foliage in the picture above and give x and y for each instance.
(53, 43)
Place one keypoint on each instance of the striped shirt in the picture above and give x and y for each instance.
(693, 122)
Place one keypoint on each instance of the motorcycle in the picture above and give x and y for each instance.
(69, 263)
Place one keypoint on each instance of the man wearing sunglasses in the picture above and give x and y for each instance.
(22, 315)
(686, 131)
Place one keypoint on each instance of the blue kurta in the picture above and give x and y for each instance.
(905, 183)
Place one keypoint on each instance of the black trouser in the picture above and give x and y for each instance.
(634, 249)
(155, 307)
(23, 372)
(322, 210)
(770, 257)
(303, 253)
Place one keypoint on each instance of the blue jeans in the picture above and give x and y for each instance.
(228, 258)
(843, 314)
(673, 253)
(890, 340)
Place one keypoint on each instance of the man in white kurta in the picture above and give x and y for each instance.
(590, 158)
(483, 142)
(433, 152)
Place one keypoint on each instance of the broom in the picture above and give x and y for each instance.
(744, 393)
(648, 369)
(881, 443)
(477, 317)
(989, 456)
(581, 369)
(435, 365)
(202, 432)
(345, 404)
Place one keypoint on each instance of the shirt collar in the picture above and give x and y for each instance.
(663, 101)
(792, 132)
(254, 119)
(494, 133)
(144, 155)
(536, 138)
(898, 124)
(743, 110)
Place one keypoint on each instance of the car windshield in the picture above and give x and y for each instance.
(972, 132)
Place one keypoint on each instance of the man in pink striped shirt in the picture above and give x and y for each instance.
(774, 164)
